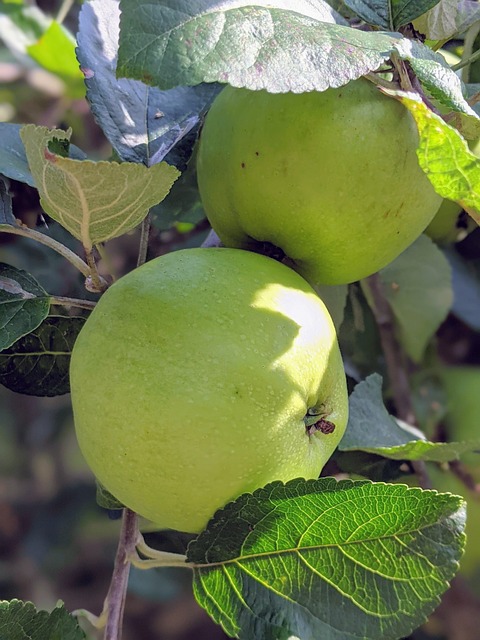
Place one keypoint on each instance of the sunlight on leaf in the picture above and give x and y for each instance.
(94, 201)
(325, 559)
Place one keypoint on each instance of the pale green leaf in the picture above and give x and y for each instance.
(418, 286)
(447, 19)
(445, 157)
(94, 201)
(373, 430)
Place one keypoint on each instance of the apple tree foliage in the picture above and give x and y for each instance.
(339, 560)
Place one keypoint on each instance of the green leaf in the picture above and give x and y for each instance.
(6, 211)
(441, 83)
(21, 621)
(335, 299)
(247, 46)
(389, 14)
(21, 26)
(13, 161)
(373, 430)
(466, 288)
(447, 19)
(55, 51)
(38, 364)
(418, 287)
(94, 201)
(445, 157)
(106, 500)
(141, 122)
(23, 304)
(270, 48)
(326, 559)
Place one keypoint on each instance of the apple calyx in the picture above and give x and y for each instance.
(317, 422)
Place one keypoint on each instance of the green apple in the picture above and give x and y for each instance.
(331, 178)
(202, 375)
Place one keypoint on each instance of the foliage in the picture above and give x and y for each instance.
(332, 558)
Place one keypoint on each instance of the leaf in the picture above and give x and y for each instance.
(94, 201)
(245, 44)
(441, 83)
(445, 157)
(13, 161)
(326, 559)
(106, 500)
(20, 26)
(418, 287)
(373, 430)
(24, 304)
(252, 46)
(389, 14)
(369, 423)
(55, 52)
(38, 364)
(21, 621)
(142, 123)
(466, 289)
(335, 299)
(448, 18)
(6, 211)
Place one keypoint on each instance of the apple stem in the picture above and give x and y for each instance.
(115, 600)
(396, 365)
(157, 558)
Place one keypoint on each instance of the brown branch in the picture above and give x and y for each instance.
(396, 365)
(115, 600)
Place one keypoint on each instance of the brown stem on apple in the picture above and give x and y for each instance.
(395, 360)
(115, 600)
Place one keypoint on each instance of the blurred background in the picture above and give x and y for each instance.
(55, 542)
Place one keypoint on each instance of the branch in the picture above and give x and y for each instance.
(72, 302)
(115, 600)
(396, 366)
(77, 262)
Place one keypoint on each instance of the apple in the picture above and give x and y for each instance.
(202, 375)
(331, 178)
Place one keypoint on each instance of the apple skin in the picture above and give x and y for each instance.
(331, 178)
(191, 379)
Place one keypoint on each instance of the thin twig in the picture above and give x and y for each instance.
(396, 366)
(144, 237)
(115, 600)
(64, 10)
(72, 302)
(60, 248)
(94, 282)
